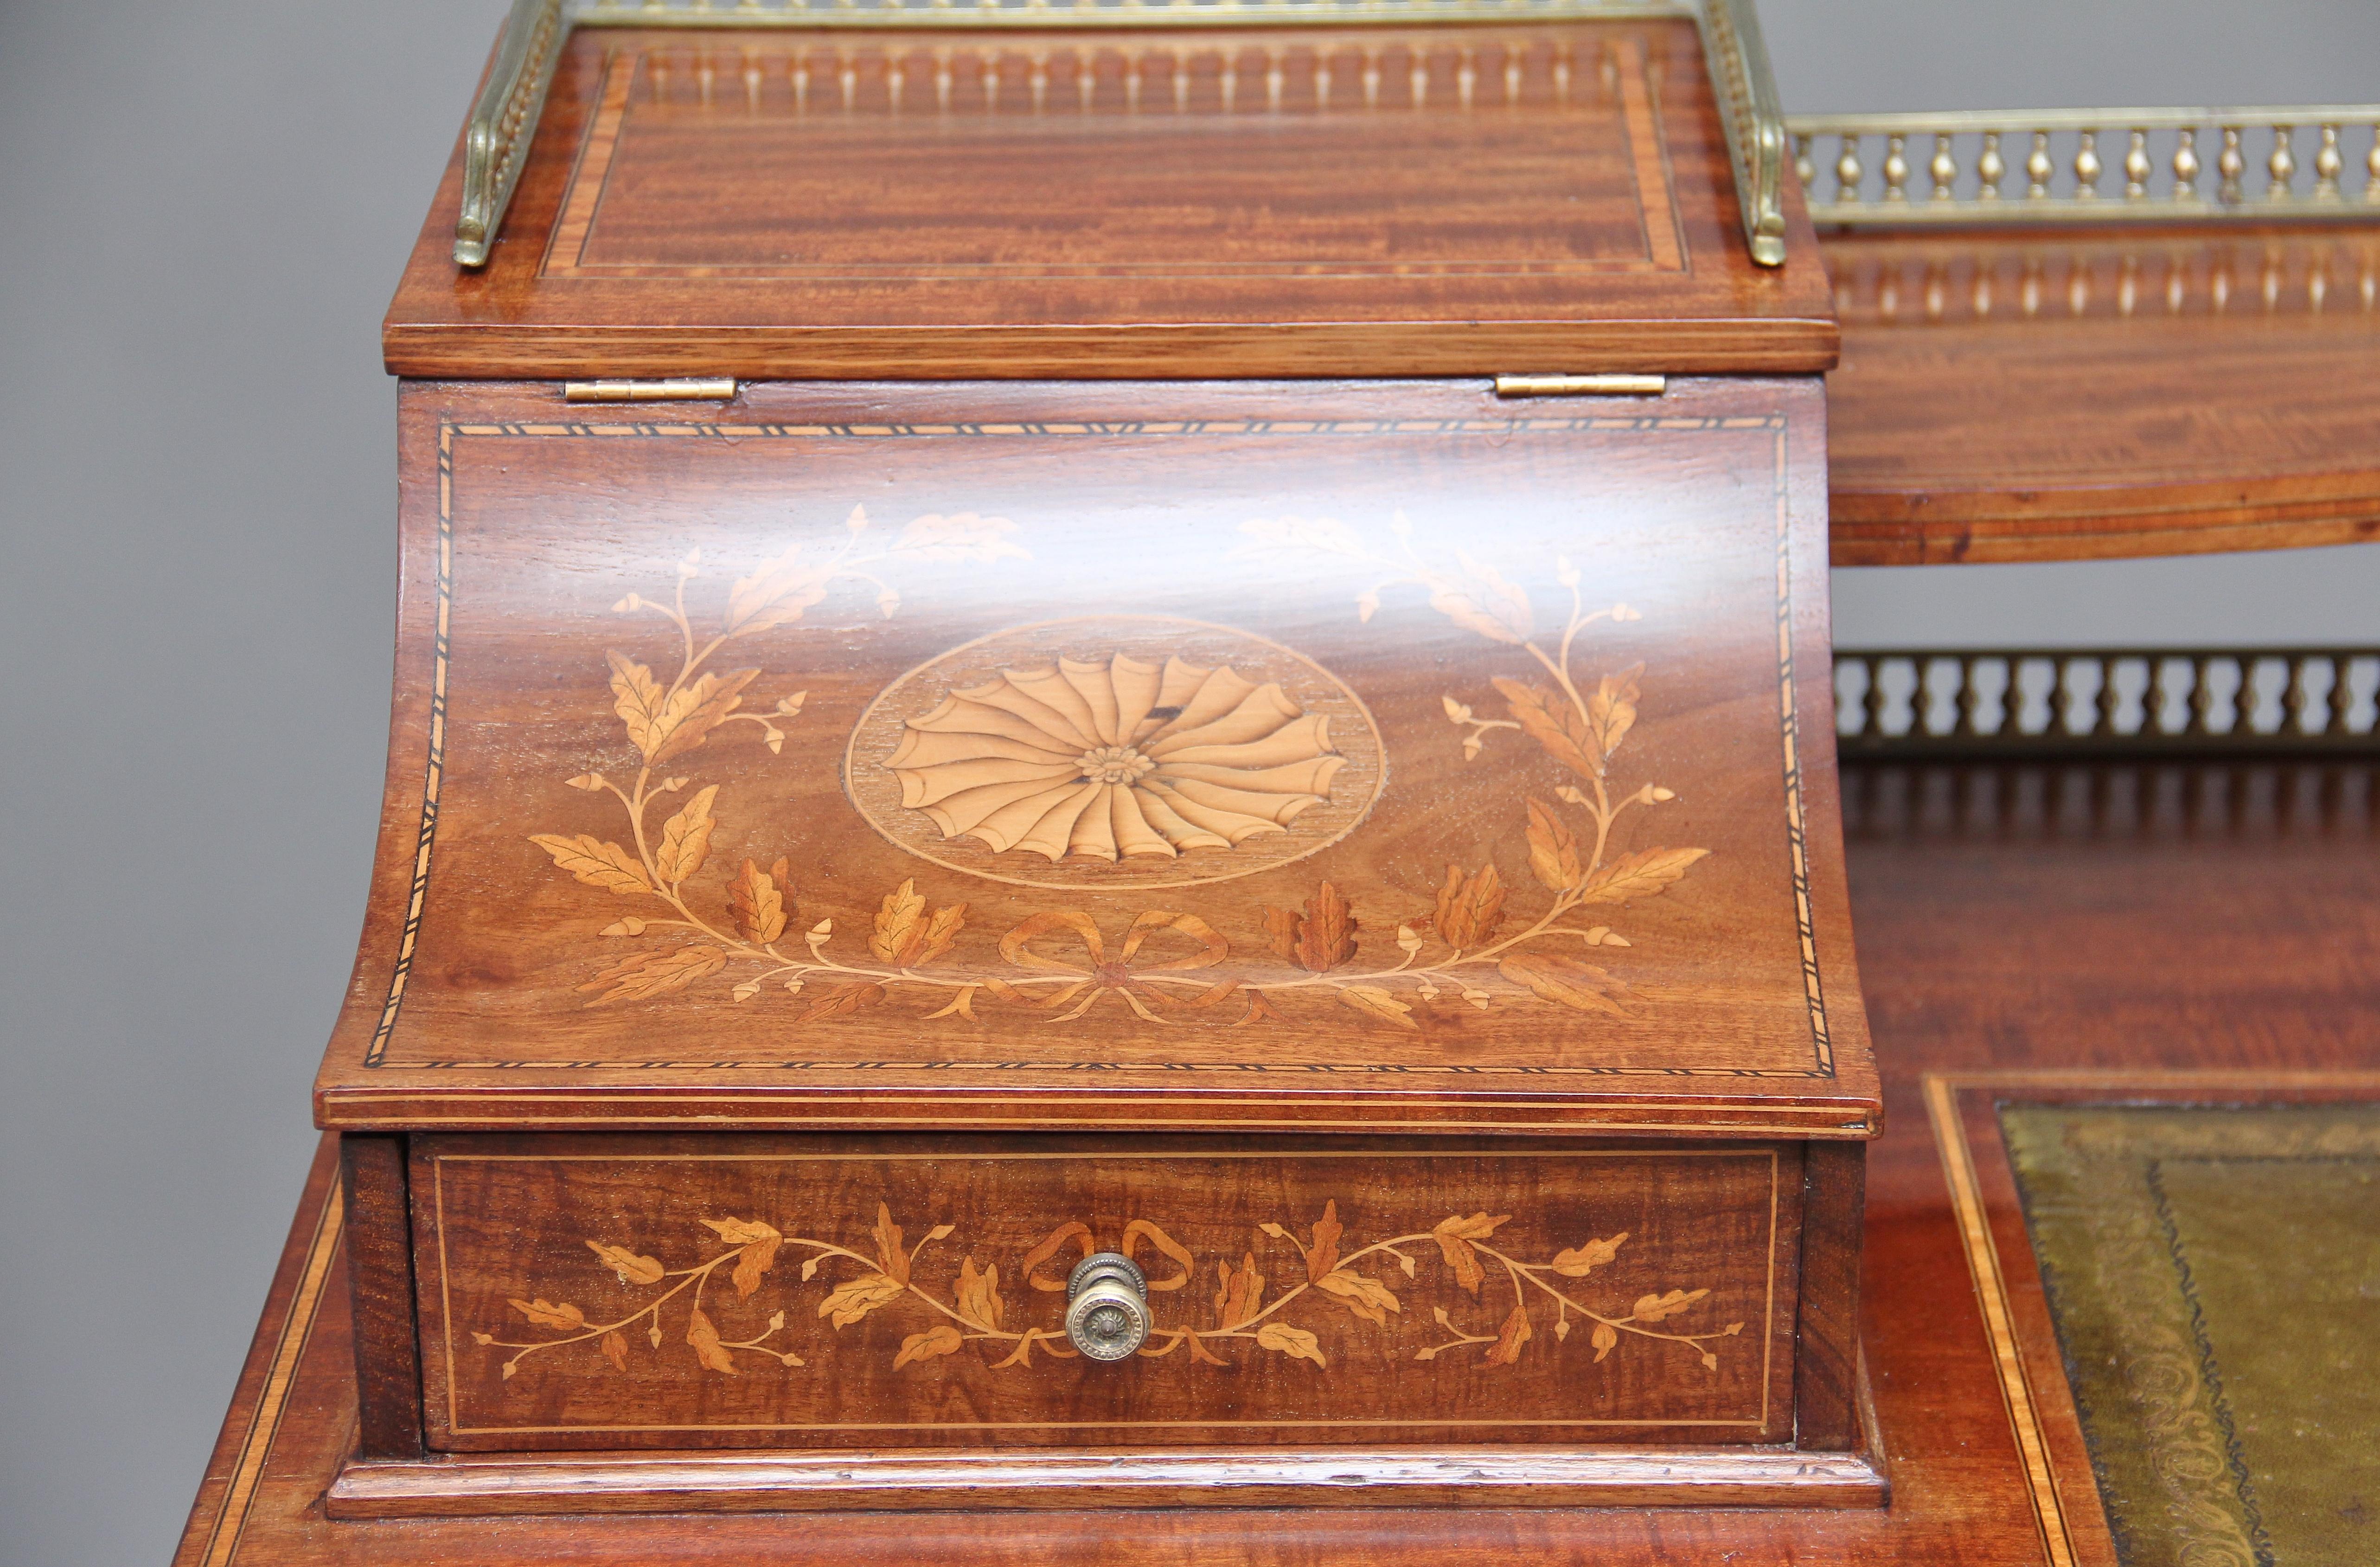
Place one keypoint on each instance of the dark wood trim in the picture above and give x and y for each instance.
(1826, 1361)
(613, 1483)
(379, 1274)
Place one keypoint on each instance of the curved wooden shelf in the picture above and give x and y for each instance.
(2062, 396)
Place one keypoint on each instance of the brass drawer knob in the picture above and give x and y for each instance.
(1107, 1306)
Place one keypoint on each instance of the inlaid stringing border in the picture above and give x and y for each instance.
(1821, 1043)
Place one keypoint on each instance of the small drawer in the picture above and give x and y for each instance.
(881, 1291)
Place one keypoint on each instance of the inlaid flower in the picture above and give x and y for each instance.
(1115, 757)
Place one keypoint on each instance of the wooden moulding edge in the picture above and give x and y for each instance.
(1691, 1478)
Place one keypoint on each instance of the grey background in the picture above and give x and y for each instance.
(203, 207)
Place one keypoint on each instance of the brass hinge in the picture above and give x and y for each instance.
(1581, 385)
(676, 391)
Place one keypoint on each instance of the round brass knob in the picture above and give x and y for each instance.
(1107, 1306)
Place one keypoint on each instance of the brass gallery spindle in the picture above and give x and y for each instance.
(2163, 159)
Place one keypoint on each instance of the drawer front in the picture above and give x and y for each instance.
(734, 1291)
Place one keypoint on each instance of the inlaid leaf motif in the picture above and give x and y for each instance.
(1656, 1308)
(686, 838)
(907, 935)
(1516, 1332)
(545, 1314)
(631, 1267)
(1322, 1256)
(1553, 848)
(1454, 1234)
(1552, 720)
(1379, 1004)
(850, 1302)
(694, 711)
(760, 1242)
(655, 974)
(1481, 600)
(1640, 875)
(759, 902)
(963, 536)
(776, 594)
(1611, 710)
(1367, 1297)
(978, 1295)
(940, 1338)
(637, 697)
(1320, 937)
(889, 1255)
(597, 862)
(704, 1337)
(1295, 1342)
(615, 1350)
(1241, 1293)
(1606, 1338)
(1469, 908)
(1577, 1262)
(843, 999)
(1554, 976)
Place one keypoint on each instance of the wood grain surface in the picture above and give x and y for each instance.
(2089, 395)
(888, 1292)
(1547, 840)
(1375, 201)
(2000, 935)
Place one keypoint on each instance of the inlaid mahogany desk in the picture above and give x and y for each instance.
(1112, 798)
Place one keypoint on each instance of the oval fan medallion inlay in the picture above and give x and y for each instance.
(1120, 751)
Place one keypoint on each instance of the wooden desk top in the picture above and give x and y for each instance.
(2076, 395)
(1381, 202)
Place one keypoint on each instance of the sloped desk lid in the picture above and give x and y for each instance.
(1216, 201)
(1060, 757)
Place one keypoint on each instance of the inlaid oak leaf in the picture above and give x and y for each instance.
(905, 935)
(843, 999)
(1656, 1308)
(1516, 1332)
(761, 900)
(1553, 848)
(775, 594)
(686, 838)
(1367, 1297)
(1469, 908)
(1316, 939)
(1577, 1262)
(631, 1267)
(978, 1295)
(1241, 1292)
(595, 862)
(940, 1338)
(1378, 1005)
(1606, 1338)
(546, 1314)
(615, 1350)
(1640, 875)
(1480, 599)
(1322, 1256)
(890, 1256)
(850, 1302)
(654, 974)
(693, 711)
(963, 536)
(1555, 723)
(1611, 710)
(1454, 1234)
(1295, 1342)
(704, 1337)
(1555, 978)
